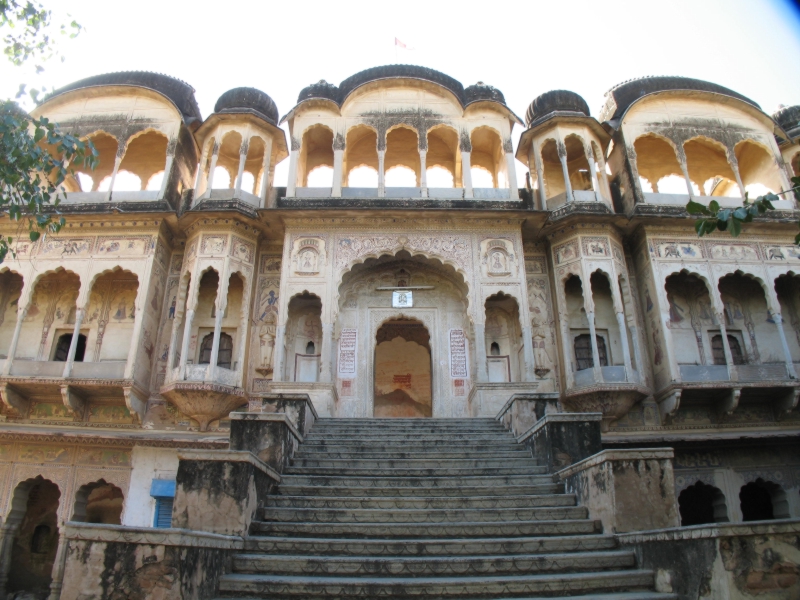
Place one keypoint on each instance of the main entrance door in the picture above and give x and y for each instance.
(403, 370)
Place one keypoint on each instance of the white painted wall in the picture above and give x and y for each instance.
(148, 464)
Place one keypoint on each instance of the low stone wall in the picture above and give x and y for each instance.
(112, 561)
(522, 411)
(558, 440)
(722, 562)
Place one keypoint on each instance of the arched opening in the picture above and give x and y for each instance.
(658, 166)
(98, 502)
(89, 180)
(227, 167)
(718, 350)
(253, 174)
(503, 336)
(584, 357)
(439, 178)
(763, 500)
(553, 174)
(701, 503)
(124, 181)
(605, 322)
(145, 155)
(62, 347)
(303, 333)
(10, 293)
(316, 150)
(796, 164)
(757, 168)
(442, 159)
(321, 177)
(403, 370)
(179, 316)
(788, 290)
(222, 178)
(224, 353)
(111, 314)
(361, 158)
(708, 167)
(481, 178)
(691, 318)
(578, 324)
(580, 177)
(35, 510)
(206, 319)
(402, 150)
(487, 152)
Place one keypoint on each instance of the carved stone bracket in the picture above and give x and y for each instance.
(787, 401)
(729, 402)
(669, 405)
(13, 402)
(74, 403)
(136, 401)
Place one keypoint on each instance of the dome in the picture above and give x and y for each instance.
(555, 101)
(321, 89)
(622, 96)
(400, 71)
(788, 118)
(481, 91)
(247, 99)
(180, 92)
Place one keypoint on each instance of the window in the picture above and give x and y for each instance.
(163, 490)
(224, 354)
(40, 541)
(718, 350)
(583, 351)
(310, 348)
(62, 348)
(701, 503)
(494, 349)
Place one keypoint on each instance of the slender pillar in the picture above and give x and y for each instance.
(527, 350)
(423, 174)
(167, 170)
(537, 162)
(221, 304)
(381, 174)
(513, 186)
(626, 351)
(9, 532)
(291, 184)
(735, 168)
(280, 353)
(12, 350)
(211, 168)
(778, 318)
(73, 345)
(200, 180)
(601, 162)
(598, 373)
(138, 320)
(338, 164)
(117, 162)
(466, 174)
(480, 353)
(685, 171)
(587, 149)
(265, 170)
(57, 574)
(187, 335)
(725, 345)
(562, 156)
(243, 149)
(326, 354)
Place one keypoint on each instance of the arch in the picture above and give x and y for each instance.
(482, 177)
(145, 155)
(320, 176)
(438, 176)
(12, 286)
(552, 172)
(228, 157)
(362, 176)
(762, 500)
(691, 316)
(401, 176)
(107, 146)
(443, 152)
(361, 149)
(98, 502)
(794, 162)
(253, 174)
(502, 327)
(709, 168)
(316, 150)
(487, 151)
(577, 164)
(402, 150)
(303, 325)
(758, 168)
(787, 291)
(701, 503)
(657, 159)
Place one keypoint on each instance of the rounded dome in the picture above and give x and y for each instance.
(321, 89)
(247, 99)
(481, 91)
(400, 71)
(788, 118)
(555, 100)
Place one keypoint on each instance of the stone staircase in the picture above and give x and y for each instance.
(410, 508)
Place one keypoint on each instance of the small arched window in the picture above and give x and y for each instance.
(718, 350)
(310, 348)
(763, 500)
(224, 354)
(40, 541)
(583, 352)
(63, 344)
(700, 504)
(494, 349)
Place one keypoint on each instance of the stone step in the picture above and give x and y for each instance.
(422, 491)
(416, 463)
(481, 425)
(280, 587)
(428, 547)
(377, 440)
(410, 422)
(431, 471)
(366, 481)
(430, 502)
(431, 566)
(412, 446)
(424, 530)
(320, 454)
(425, 515)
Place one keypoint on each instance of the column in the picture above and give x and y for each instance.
(141, 298)
(562, 156)
(168, 168)
(221, 303)
(587, 149)
(423, 175)
(466, 174)
(326, 354)
(480, 353)
(187, 334)
(685, 171)
(601, 162)
(265, 167)
(294, 158)
(243, 149)
(117, 161)
(626, 351)
(338, 164)
(527, 350)
(280, 352)
(57, 574)
(719, 311)
(73, 345)
(735, 168)
(598, 374)
(12, 350)
(537, 162)
(381, 174)
(177, 321)
(200, 179)
(634, 167)
(9, 531)
(212, 167)
(513, 186)
(778, 318)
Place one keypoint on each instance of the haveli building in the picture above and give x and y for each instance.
(403, 272)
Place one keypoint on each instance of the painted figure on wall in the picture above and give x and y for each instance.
(266, 337)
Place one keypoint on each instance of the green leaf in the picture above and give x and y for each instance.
(713, 206)
(34, 235)
(724, 214)
(740, 213)
(695, 208)
(735, 227)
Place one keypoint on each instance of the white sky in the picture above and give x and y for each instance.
(522, 47)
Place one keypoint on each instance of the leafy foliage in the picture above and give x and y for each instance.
(36, 157)
(713, 218)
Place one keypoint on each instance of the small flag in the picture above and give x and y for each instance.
(399, 43)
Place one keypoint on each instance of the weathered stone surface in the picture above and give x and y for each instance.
(558, 440)
(270, 436)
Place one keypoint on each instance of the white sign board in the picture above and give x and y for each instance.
(348, 342)
(402, 299)
(458, 354)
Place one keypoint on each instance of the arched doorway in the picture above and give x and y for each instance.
(403, 370)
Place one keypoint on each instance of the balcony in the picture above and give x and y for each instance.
(203, 393)
(103, 197)
(114, 369)
(724, 201)
(405, 192)
(611, 391)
